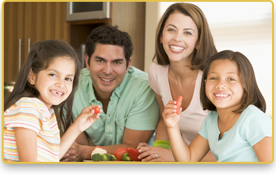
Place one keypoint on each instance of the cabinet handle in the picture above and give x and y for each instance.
(29, 44)
(19, 56)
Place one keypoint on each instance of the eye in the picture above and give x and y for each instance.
(212, 78)
(99, 61)
(69, 79)
(171, 29)
(231, 79)
(53, 75)
(187, 33)
(118, 62)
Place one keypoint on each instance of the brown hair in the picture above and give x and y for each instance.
(40, 56)
(252, 94)
(205, 39)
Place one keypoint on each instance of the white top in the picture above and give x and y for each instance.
(191, 118)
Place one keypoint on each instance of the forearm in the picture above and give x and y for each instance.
(161, 131)
(180, 150)
(67, 139)
(209, 157)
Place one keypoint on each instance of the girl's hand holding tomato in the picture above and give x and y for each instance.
(86, 118)
(170, 116)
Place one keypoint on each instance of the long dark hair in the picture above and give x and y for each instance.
(40, 56)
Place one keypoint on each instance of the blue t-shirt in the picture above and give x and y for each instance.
(237, 144)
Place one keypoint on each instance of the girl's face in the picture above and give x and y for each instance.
(223, 85)
(56, 82)
(179, 36)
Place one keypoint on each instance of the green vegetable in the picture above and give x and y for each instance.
(106, 157)
(112, 157)
(125, 157)
(97, 157)
(162, 143)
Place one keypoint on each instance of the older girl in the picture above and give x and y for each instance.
(236, 128)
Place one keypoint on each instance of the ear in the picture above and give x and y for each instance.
(86, 57)
(197, 46)
(31, 77)
(129, 62)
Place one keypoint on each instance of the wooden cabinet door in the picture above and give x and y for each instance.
(30, 22)
(14, 30)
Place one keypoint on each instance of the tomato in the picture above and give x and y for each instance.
(133, 154)
(97, 110)
(178, 104)
(118, 153)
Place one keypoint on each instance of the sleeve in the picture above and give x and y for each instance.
(203, 128)
(25, 116)
(144, 114)
(153, 69)
(257, 127)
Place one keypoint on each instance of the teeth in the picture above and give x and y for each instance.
(106, 79)
(56, 92)
(221, 95)
(176, 48)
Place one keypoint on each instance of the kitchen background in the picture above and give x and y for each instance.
(239, 26)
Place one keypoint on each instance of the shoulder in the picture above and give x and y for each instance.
(254, 112)
(156, 69)
(254, 124)
(27, 105)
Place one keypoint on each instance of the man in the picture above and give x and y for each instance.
(129, 109)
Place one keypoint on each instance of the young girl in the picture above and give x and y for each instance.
(236, 128)
(48, 79)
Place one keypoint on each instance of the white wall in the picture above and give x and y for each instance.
(239, 26)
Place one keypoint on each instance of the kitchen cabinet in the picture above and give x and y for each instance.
(26, 23)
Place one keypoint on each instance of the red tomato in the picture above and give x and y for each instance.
(133, 154)
(178, 104)
(97, 110)
(118, 153)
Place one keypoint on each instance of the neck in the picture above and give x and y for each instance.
(182, 71)
(227, 114)
(104, 98)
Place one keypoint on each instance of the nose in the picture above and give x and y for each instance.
(60, 83)
(221, 85)
(178, 36)
(108, 68)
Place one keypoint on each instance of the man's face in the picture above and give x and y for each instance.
(107, 68)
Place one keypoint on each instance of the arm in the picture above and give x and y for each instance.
(26, 143)
(161, 130)
(82, 122)
(263, 149)
(182, 153)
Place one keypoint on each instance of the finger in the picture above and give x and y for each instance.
(151, 157)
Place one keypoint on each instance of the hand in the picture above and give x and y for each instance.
(148, 154)
(86, 118)
(170, 117)
(73, 154)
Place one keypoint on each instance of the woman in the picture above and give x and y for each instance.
(183, 42)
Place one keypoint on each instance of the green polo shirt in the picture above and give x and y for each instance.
(132, 105)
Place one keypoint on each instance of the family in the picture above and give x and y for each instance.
(222, 116)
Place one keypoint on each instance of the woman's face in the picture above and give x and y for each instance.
(179, 37)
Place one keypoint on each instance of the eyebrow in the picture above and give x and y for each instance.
(183, 29)
(101, 58)
(59, 72)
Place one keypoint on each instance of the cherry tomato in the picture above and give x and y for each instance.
(97, 110)
(178, 104)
